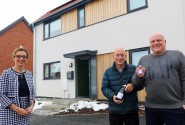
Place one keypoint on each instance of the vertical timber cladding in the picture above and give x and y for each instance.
(103, 62)
(95, 12)
(141, 95)
(69, 21)
(101, 10)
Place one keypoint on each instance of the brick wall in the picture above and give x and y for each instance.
(19, 34)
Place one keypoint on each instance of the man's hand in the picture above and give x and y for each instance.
(183, 106)
(140, 71)
(129, 87)
(117, 101)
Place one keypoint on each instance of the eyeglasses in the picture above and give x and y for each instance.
(19, 56)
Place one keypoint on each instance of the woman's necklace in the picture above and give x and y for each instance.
(18, 70)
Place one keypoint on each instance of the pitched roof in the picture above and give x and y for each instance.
(14, 23)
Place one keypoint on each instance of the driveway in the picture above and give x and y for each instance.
(93, 119)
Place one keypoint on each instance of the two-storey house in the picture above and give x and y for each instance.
(74, 42)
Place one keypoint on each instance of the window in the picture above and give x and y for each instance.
(93, 83)
(134, 5)
(52, 29)
(136, 54)
(81, 17)
(46, 31)
(52, 70)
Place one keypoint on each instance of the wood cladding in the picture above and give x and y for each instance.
(69, 21)
(101, 10)
(103, 62)
(96, 11)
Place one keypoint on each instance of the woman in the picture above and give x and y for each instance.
(16, 91)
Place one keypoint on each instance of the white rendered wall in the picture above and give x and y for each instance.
(129, 31)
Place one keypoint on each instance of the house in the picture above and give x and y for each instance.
(13, 36)
(74, 42)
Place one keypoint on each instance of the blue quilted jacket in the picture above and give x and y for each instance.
(111, 84)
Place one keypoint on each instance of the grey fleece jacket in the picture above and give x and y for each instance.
(164, 79)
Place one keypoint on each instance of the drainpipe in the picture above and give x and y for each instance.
(34, 57)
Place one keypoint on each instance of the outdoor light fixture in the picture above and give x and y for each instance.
(70, 64)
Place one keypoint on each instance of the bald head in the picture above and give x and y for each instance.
(158, 35)
(119, 57)
(158, 43)
(119, 50)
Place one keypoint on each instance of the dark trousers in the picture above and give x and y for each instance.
(124, 119)
(157, 116)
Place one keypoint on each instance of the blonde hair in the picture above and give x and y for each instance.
(19, 49)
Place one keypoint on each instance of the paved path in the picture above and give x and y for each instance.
(96, 119)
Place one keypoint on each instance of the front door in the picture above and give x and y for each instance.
(82, 78)
(86, 77)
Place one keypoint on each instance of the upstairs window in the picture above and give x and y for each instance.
(134, 5)
(52, 29)
(81, 17)
(52, 70)
(46, 31)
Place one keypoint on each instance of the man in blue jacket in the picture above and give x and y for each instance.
(119, 75)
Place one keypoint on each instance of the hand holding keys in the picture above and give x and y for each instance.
(140, 71)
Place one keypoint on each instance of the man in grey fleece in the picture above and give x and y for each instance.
(163, 75)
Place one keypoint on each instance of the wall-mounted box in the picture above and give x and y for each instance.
(70, 75)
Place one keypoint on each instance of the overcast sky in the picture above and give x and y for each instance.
(11, 10)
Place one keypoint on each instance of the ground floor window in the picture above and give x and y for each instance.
(136, 54)
(52, 70)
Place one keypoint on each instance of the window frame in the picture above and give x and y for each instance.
(78, 16)
(49, 70)
(136, 9)
(49, 28)
(137, 50)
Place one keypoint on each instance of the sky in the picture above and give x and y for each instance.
(12, 10)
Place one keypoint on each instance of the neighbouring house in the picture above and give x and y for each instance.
(17, 34)
(73, 43)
